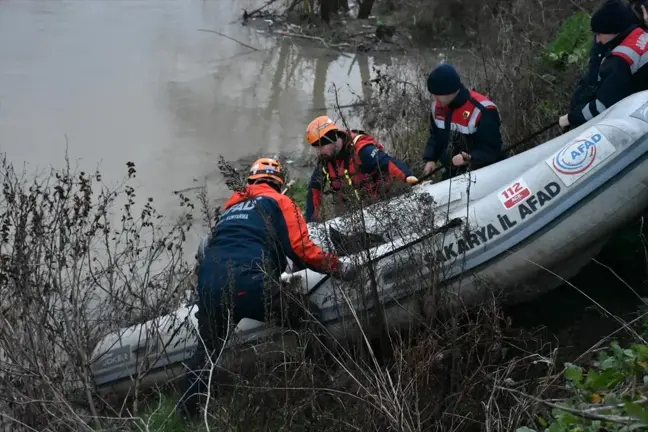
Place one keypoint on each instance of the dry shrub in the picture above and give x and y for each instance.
(73, 268)
(72, 271)
(443, 377)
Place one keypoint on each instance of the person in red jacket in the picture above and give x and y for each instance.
(241, 262)
(464, 126)
(623, 70)
(348, 157)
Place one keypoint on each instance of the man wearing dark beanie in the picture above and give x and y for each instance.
(623, 70)
(589, 81)
(464, 126)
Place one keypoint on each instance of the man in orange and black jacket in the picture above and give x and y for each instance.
(349, 157)
(241, 264)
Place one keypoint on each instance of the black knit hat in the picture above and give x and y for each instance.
(443, 80)
(613, 16)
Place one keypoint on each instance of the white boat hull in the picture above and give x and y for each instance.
(527, 223)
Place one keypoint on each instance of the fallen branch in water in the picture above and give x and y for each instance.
(285, 33)
(351, 105)
(317, 38)
(230, 38)
(247, 15)
(189, 189)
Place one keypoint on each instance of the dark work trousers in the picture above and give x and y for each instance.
(246, 300)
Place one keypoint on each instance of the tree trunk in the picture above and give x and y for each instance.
(326, 7)
(365, 9)
(341, 5)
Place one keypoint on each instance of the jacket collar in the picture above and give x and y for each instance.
(249, 192)
(461, 99)
(620, 37)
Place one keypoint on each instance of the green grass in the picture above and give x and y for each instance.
(572, 44)
(298, 193)
(161, 416)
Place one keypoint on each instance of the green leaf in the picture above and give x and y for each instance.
(555, 427)
(574, 373)
(565, 418)
(641, 350)
(616, 349)
(594, 427)
(629, 353)
(637, 411)
(542, 421)
(525, 429)
(605, 380)
(609, 363)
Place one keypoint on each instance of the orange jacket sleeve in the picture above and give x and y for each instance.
(297, 240)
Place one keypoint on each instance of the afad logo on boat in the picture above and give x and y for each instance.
(581, 155)
(577, 157)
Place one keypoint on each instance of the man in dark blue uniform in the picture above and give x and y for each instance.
(464, 126)
(618, 62)
(587, 85)
(242, 262)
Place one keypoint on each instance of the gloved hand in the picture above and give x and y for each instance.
(563, 121)
(640, 9)
(411, 180)
(429, 168)
(347, 271)
(461, 159)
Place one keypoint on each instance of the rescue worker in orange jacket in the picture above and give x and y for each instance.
(623, 70)
(464, 126)
(348, 157)
(241, 265)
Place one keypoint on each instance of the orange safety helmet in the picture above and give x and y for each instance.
(320, 127)
(267, 169)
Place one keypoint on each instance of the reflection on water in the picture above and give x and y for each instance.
(136, 80)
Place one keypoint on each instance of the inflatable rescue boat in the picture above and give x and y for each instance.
(522, 225)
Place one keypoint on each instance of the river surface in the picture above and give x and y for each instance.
(128, 80)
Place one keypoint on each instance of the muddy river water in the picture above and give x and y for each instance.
(137, 80)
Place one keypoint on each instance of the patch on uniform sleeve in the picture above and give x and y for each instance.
(466, 114)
